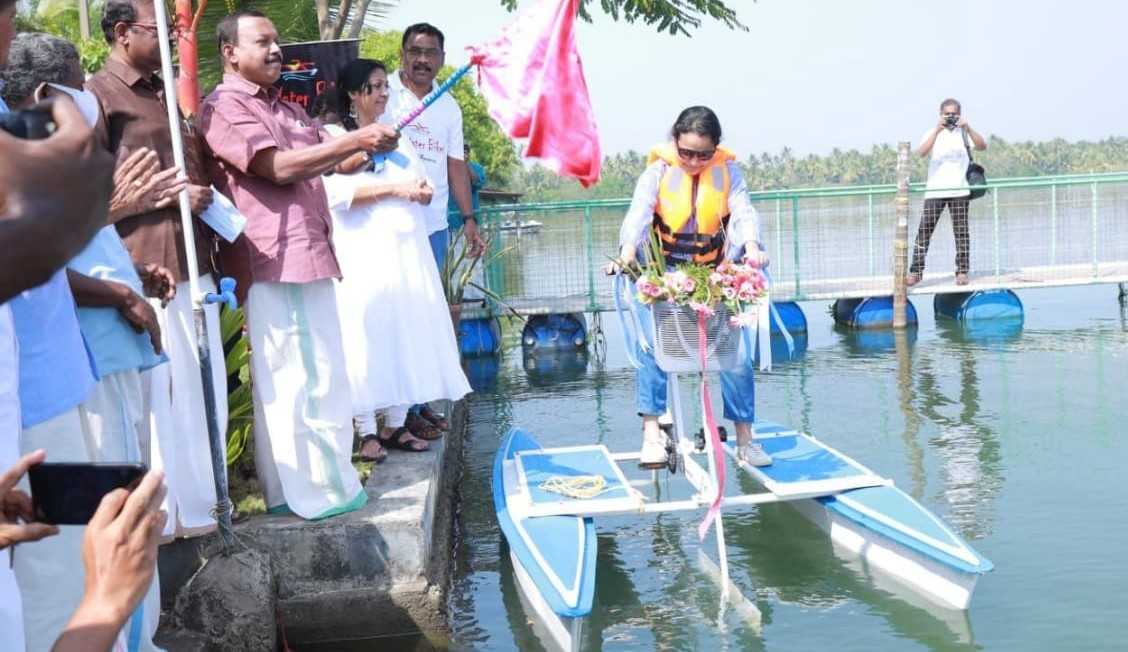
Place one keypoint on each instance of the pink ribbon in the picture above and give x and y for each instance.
(714, 436)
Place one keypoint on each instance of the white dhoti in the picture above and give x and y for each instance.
(114, 414)
(11, 611)
(303, 413)
(175, 437)
(50, 572)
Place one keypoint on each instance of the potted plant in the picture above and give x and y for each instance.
(460, 270)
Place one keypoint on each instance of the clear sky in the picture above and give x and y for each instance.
(813, 75)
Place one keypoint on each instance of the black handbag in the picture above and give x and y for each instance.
(976, 177)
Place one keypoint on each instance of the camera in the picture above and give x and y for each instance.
(951, 120)
(29, 125)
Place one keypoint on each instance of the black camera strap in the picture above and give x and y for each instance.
(967, 145)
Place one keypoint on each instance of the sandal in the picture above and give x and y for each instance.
(435, 418)
(403, 440)
(422, 428)
(379, 456)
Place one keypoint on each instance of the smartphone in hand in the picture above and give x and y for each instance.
(68, 493)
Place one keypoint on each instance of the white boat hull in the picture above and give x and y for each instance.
(882, 559)
(552, 629)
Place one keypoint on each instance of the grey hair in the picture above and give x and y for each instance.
(35, 58)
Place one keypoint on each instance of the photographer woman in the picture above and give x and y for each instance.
(693, 197)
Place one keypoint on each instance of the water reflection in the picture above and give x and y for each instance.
(789, 557)
(553, 367)
(967, 445)
(867, 342)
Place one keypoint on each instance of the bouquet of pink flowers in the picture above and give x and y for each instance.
(702, 287)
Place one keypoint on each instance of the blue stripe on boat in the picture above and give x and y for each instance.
(899, 507)
(566, 545)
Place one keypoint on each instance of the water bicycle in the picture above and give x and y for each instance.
(546, 499)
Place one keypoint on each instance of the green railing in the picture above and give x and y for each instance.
(835, 242)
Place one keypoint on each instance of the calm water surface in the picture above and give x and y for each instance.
(1015, 435)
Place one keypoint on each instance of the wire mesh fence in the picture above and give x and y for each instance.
(836, 242)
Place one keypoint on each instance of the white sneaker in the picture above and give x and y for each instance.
(653, 453)
(754, 454)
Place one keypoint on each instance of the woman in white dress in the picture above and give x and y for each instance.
(400, 347)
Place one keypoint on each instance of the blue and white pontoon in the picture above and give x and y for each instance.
(551, 534)
(552, 537)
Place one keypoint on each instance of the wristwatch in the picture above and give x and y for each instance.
(471, 216)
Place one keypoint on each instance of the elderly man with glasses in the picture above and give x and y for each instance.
(133, 116)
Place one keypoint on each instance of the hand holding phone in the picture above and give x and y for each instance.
(15, 506)
(120, 547)
(119, 551)
(68, 493)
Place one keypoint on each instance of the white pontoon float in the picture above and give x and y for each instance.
(552, 539)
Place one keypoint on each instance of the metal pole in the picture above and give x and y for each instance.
(589, 252)
(83, 20)
(795, 240)
(870, 228)
(901, 237)
(215, 437)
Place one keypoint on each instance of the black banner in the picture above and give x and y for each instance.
(308, 69)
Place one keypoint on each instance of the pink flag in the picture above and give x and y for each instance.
(533, 82)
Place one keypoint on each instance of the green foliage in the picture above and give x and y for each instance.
(93, 53)
(459, 270)
(492, 148)
(673, 16)
(878, 166)
(240, 407)
(296, 22)
(62, 20)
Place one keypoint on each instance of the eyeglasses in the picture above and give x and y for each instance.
(690, 154)
(950, 113)
(419, 53)
(152, 28)
(378, 87)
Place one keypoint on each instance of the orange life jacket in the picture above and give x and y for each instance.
(691, 214)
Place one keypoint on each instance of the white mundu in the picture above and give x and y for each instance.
(175, 437)
(303, 415)
(11, 613)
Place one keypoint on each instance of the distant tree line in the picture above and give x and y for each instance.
(878, 166)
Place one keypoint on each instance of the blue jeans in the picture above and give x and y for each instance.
(738, 387)
(439, 240)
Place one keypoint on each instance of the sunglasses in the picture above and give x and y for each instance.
(690, 154)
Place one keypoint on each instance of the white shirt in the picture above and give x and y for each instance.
(947, 164)
(435, 135)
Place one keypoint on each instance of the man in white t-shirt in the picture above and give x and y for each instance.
(436, 135)
(946, 146)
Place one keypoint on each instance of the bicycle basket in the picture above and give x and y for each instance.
(677, 340)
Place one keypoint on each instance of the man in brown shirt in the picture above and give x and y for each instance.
(133, 110)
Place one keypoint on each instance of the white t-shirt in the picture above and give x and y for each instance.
(435, 135)
(947, 165)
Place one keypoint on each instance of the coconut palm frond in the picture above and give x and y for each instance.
(372, 15)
